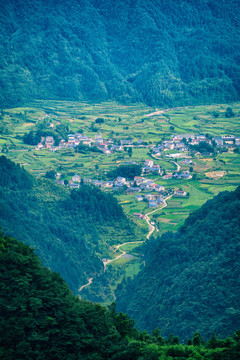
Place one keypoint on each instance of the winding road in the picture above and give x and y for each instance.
(178, 166)
(118, 247)
(89, 283)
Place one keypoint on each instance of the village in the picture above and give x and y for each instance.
(180, 142)
(179, 147)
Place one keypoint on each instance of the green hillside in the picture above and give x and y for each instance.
(70, 231)
(159, 52)
(42, 320)
(191, 279)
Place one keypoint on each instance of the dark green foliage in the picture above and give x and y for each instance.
(33, 138)
(13, 176)
(191, 279)
(42, 320)
(203, 147)
(85, 149)
(159, 52)
(127, 171)
(229, 113)
(99, 121)
(50, 174)
(70, 233)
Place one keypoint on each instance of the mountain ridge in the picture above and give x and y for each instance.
(161, 53)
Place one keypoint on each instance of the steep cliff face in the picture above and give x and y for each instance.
(191, 279)
(160, 52)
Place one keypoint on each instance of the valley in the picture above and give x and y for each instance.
(99, 141)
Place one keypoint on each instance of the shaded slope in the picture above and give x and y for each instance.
(191, 280)
(42, 320)
(71, 232)
(159, 52)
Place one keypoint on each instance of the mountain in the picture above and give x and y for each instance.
(70, 231)
(160, 52)
(191, 279)
(42, 320)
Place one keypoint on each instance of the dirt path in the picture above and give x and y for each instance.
(118, 247)
(89, 283)
(160, 112)
(146, 217)
(178, 166)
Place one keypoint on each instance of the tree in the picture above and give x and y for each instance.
(197, 339)
(51, 174)
(130, 152)
(229, 113)
(99, 121)
(215, 114)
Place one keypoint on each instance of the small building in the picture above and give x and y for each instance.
(201, 137)
(149, 197)
(73, 185)
(39, 146)
(169, 145)
(132, 190)
(139, 180)
(76, 178)
(237, 141)
(152, 204)
(121, 180)
(98, 138)
(167, 176)
(159, 188)
(109, 184)
(228, 138)
(98, 183)
(139, 197)
(186, 161)
(180, 193)
(138, 215)
(218, 140)
(49, 141)
(148, 163)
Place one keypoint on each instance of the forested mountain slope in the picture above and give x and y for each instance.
(71, 232)
(42, 320)
(191, 280)
(162, 52)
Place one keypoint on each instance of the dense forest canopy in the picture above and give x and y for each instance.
(191, 280)
(162, 52)
(71, 232)
(42, 320)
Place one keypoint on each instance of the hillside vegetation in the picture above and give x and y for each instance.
(160, 52)
(42, 320)
(191, 279)
(71, 232)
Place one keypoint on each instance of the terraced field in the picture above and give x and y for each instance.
(122, 122)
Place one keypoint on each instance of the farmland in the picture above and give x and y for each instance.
(123, 122)
(211, 173)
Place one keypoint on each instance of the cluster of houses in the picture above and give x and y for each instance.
(185, 175)
(149, 167)
(131, 187)
(180, 142)
(106, 146)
